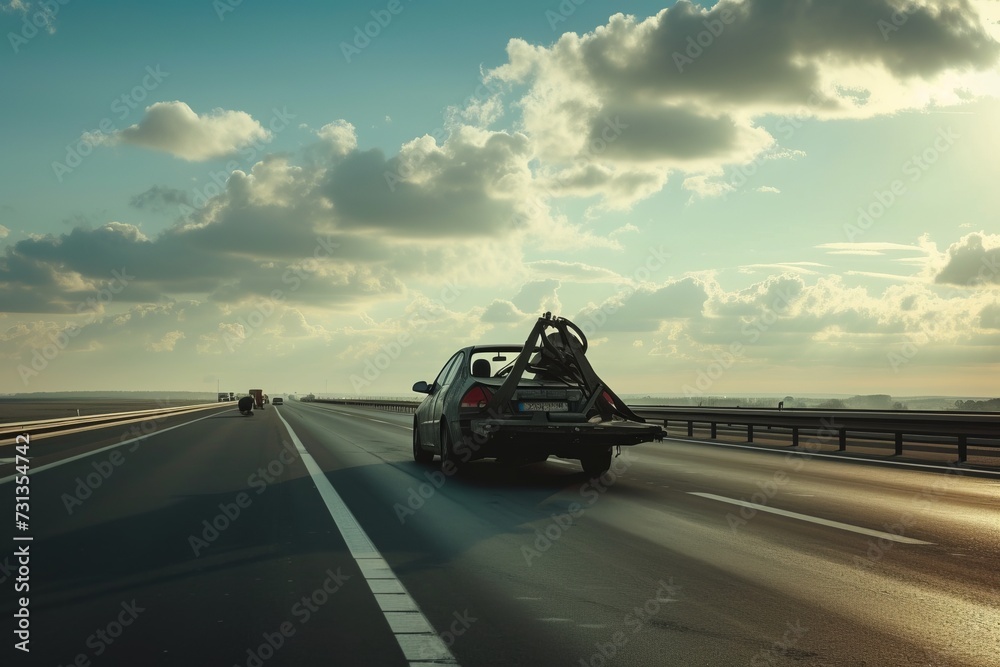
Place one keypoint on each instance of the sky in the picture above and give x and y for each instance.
(743, 197)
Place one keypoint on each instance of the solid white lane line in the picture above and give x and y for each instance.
(380, 421)
(60, 462)
(812, 519)
(413, 632)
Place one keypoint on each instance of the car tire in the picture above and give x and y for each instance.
(596, 464)
(448, 453)
(420, 455)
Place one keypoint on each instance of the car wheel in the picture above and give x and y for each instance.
(596, 464)
(448, 453)
(420, 455)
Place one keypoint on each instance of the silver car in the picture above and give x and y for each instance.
(524, 403)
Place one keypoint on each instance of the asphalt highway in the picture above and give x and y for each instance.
(306, 535)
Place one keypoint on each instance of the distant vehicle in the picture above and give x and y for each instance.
(524, 403)
(224, 396)
(277, 401)
(245, 406)
(258, 398)
(232, 396)
(308, 397)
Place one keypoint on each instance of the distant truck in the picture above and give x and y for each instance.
(258, 398)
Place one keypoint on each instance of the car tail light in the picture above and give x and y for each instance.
(475, 399)
(607, 399)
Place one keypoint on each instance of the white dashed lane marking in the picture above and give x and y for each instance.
(812, 519)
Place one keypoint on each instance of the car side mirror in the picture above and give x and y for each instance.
(422, 387)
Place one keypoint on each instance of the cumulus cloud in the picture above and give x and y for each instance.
(175, 128)
(42, 15)
(333, 231)
(475, 183)
(648, 308)
(793, 322)
(974, 260)
(501, 311)
(989, 317)
(413, 334)
(294, 324)
(768, 55)
(166, 343)
(538, 296)
(339, 136)
(776, 292)
(616, 109)
(246, 252)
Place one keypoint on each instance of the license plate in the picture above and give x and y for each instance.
(543, 406)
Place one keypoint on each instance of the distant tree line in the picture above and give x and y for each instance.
(730, 401)
(987, 405)
(861, 402)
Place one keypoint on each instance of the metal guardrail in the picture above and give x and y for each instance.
(41, 426)
(946, 428)
(375, 403)
(951, 428)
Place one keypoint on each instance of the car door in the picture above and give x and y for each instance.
(440, 394)
(432, 417)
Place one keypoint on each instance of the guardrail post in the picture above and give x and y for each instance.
(899, 444)
(690, 429)
(713, 430)
(795, 436)
(962, 448)
(842, 445)
(749, 432)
